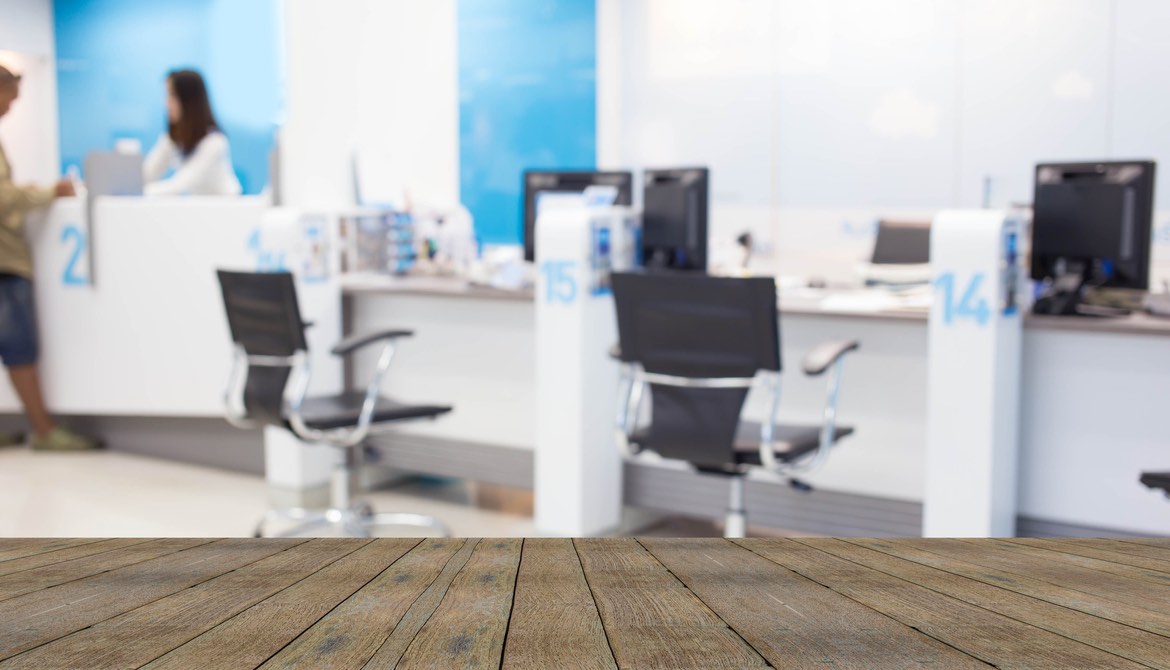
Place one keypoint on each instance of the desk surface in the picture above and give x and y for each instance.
(840, 304)
(596, 603)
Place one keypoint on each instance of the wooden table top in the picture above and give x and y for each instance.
(590, 603)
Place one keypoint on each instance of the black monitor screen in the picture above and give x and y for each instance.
(674, 219)
(571, 181)
(1097, 216)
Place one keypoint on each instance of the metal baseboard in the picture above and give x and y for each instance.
(1032, 527)
(207, 442)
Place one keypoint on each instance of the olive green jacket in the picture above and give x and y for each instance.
(15, 202)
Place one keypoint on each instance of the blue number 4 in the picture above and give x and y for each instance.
(971, 306)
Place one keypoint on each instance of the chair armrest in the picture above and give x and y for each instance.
(354, 342)
(825, 355)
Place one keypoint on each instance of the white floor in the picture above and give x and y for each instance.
(112, 494)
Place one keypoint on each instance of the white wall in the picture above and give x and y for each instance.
(818, 117)
(376, 77)
(29, 131)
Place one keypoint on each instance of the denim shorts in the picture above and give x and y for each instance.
(18, 321)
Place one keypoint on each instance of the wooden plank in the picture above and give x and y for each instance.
(255, 635)
(67, 554)
(1076, 558)
(421, 610)
(1123, 613)
(1060, 569)
(1131, 643)
(651, 619)
(792, 621)
(1134, 555)
(468, 628)
(43, 616)
(12, 549)
(554, 621)
(350, 634)
(990, 637)
(28, 581)
(120, 642)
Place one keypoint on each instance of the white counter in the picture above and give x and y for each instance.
(1095, 394)
(148, 337)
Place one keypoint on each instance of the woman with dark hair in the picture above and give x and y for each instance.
(193, 145)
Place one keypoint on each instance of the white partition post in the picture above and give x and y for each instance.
(974, 375)
(578, 488)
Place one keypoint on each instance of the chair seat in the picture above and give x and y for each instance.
(342, 410)
(790, 441)
(1157, 480)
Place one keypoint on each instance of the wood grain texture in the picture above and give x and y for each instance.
(468, 628)
(256, 634)
(66, 554)
(596, 603)
(986, 635)
(349, 635)
(1088, 575)
(1113, 610)
(1156, 559)
(792, 621)
(420, 611)
(40, 617)
(652, 620)
(554, 621)
(28, 581)
(13, 549)
(119, 643)
(1124, 641)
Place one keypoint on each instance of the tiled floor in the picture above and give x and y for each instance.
(112, 494)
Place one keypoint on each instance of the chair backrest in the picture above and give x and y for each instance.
(265, 321)
(700, 328)
(901, 243)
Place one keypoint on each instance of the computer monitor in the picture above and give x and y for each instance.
(901, 243)
(674, 219)
(566, 181)
(1091, 226)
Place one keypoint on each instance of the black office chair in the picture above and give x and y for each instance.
(700, 343)
(268, 386)
(1157, 480)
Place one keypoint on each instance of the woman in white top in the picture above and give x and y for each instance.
(193, 146)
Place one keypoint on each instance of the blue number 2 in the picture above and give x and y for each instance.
(70, 276)
(560, 284)
(970, 306)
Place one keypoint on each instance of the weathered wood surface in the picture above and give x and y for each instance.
(587, 603)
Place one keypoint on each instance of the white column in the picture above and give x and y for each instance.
(578, 487)
(974, 376)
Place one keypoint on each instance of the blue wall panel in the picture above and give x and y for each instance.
(527, 99)
(112, 60)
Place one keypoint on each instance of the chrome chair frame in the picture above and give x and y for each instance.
(632, 388)
(345, 514)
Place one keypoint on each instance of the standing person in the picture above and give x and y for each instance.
(193, 145)
(18, 324)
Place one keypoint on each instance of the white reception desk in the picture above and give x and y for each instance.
(148, 339)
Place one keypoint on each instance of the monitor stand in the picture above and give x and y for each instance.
(1063, 296)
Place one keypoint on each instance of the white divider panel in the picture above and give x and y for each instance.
(973, 376)
(578, 482)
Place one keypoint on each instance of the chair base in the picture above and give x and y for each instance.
(354, 521)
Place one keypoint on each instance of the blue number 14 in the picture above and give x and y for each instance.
(970, 306)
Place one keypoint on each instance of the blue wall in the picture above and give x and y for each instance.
(527, 99)
(112, 60)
